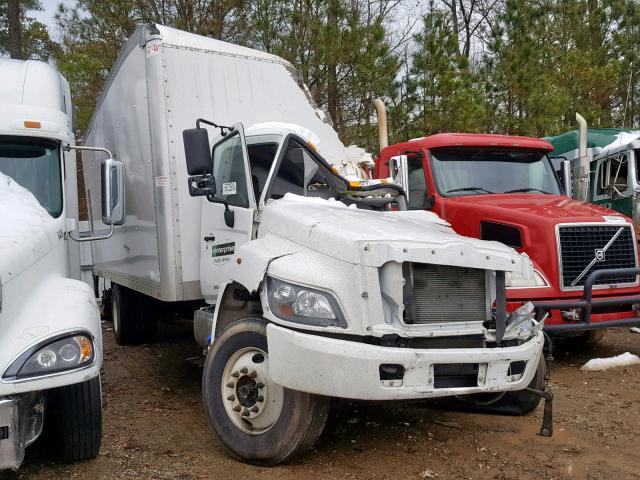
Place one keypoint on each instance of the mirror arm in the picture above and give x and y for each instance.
(68, 148)
(221, 127)
(92, 238)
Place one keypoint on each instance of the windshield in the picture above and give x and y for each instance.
(34, 164)
(479, 171)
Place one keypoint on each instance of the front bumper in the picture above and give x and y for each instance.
(21, 422)
(11, 444)
(587, 304)
(348, 369)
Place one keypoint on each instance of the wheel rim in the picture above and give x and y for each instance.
(253, 402)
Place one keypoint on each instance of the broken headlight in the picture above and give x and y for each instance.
(299, 304)
(517, 280)
(53, 356)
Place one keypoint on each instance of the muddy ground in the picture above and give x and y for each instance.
(155, 428)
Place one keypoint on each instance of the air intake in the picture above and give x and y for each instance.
(499, 232)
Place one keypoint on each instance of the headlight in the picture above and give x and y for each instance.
(56, 356)
(516, 280)
(299, 304)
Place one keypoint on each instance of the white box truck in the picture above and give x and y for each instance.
(50, 336)
(311, 288)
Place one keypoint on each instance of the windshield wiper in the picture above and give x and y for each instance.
(527, 189)
(469, 189)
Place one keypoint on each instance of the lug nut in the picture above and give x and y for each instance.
(231, 398)
(235, 374)
(255, 409)
(244, 370)
(245, 412)
(260, 399)
(253, 374)
(237, 408)
(231, 385)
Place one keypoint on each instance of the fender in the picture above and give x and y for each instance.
(39, 304)
(252, 261)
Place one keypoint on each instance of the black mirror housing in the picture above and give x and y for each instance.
(197, 151)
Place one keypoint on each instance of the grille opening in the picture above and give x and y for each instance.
(517, 368)
(442, 293)
(578, 246)
(455, 375)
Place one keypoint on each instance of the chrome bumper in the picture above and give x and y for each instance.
(11, 443)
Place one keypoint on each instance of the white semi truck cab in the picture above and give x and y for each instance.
(321, 292)
(50, 337)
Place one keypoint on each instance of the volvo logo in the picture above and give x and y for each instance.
(599, 254)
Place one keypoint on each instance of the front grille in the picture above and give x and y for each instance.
(579, 245)
(443, 293)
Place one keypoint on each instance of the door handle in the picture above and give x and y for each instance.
(209, 238)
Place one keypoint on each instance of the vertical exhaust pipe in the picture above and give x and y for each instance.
(581, 185)
(582, 135)
(383, 134)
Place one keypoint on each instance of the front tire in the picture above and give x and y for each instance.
(73, 422)
(257, 421)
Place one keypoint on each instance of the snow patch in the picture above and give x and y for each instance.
(635, 329)
(22, 218)
(599, 364)
(331, 202)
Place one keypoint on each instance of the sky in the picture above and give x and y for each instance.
(49, 9)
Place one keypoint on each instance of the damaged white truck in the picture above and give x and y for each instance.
(50, 337)
(314, 286)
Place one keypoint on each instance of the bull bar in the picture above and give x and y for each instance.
(587, 303)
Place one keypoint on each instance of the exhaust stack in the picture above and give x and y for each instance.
(581, 179)
(381, 112)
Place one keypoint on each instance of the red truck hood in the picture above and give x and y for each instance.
(523, 208)
(536, 216)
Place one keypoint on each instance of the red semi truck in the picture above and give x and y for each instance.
(504, 188)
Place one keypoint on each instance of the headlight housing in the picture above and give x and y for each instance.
(299, 304)
(517, 280)
(52, 356)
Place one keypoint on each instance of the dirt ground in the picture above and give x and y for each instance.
(155, 428)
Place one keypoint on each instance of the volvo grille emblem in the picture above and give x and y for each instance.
(600, 255)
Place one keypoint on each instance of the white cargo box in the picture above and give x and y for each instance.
(163, 80)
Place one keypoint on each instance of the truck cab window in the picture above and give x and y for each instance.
(261, 157)
(417, 188)
(613, 175)
(34, 164)
(229, 172)
(301, 174)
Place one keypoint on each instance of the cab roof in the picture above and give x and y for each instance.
(471, 140)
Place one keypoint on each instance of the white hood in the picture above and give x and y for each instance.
(27, 231)
(373, 238)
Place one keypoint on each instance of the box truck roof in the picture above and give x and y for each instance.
(228, 83)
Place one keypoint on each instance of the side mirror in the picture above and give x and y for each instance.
(197, 151)
(113, 192)
(565, 173)
(399, 170)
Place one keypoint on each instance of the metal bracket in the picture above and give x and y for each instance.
(546, 430)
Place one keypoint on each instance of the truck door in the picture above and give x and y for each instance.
(220, 238)
(612, 187)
